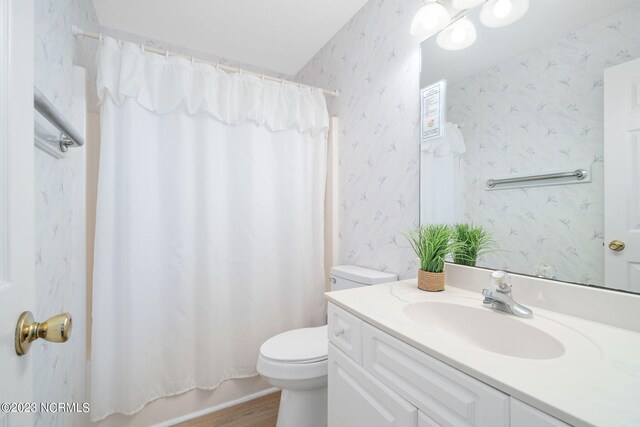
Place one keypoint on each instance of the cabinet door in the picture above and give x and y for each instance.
(523, 415)
(425, 421)
(446, 395)
(356, 399)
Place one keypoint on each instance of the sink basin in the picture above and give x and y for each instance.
(489, 330)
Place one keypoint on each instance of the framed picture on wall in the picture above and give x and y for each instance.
(432, 109)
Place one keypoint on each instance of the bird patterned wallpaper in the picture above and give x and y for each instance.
(542, 112)
(58, 218)
(375, 63)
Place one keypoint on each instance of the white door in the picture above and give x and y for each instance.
(16, 201)
(622, 176)
(356, 399)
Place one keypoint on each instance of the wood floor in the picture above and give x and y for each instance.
(260, 412)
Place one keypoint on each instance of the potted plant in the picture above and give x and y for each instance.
(432, 243)
(471, 242)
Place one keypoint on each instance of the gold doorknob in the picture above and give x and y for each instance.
(56, 329)
(616, 245)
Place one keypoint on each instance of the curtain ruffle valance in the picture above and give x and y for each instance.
(163, 84)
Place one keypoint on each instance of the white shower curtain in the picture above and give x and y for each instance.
(209, 234)
(442, 171)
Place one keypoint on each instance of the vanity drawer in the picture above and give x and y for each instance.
(523, 415)
(345, 332)
(445, 396)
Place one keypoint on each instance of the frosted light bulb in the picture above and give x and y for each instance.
(502, 8)
(458, 35)
(430, 19)
(430, 23)
(500, 13)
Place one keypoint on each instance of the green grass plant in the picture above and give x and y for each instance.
(432, 243)
(471, 242)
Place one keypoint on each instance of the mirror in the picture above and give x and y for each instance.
(526, 101)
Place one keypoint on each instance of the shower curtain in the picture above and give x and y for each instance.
(441, 169)
(209, 230)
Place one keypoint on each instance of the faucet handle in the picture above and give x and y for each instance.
(488, 296)
(501, 281)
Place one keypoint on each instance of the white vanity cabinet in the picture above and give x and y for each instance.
(377, 380)
(445, 395)
(356, 399)
(345, 332)
(523, 415)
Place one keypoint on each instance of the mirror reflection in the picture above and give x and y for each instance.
(540, 137)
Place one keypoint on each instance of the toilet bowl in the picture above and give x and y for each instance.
(296, 361)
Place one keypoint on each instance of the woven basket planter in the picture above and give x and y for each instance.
(431, 282)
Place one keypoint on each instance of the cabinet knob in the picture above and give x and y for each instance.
(338, 331)
(55, 329)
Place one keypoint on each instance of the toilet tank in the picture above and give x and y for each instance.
(352, 276)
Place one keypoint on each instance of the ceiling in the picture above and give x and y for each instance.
(279, 35)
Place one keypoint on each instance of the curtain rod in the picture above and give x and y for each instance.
(79, 32)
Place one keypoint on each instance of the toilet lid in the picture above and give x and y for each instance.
(297, 346)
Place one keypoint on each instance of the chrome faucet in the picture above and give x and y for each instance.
(500, 299)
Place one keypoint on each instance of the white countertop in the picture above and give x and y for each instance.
(596, 382)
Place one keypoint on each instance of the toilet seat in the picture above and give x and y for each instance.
(278, 371)
(300, 354)
(298, 346)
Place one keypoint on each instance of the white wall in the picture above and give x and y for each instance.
(375, 63)
(540, 112)
(59, 373)
(57, 50)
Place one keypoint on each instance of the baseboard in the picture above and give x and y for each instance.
(211, 409)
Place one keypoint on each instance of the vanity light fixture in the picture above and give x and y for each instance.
(459, 35)
(430, 19)
(500, 13)
(466, 4)
(455, 31)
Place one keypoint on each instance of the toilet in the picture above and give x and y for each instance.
(296, 361)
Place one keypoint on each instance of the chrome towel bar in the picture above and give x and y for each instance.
(69, 137)
(578, 174)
